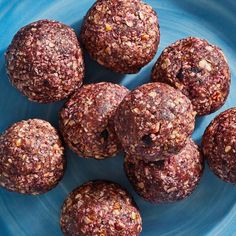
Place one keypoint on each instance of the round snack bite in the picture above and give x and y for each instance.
(198, 69)
(45, 62)
(167, 180)
(86, 121)
(154, 121)
(31, 157)
(122, 35)
(100, 208)
(219, 145)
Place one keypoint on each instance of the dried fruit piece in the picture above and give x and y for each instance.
(147, 139)
(108, 27)
(180, 74)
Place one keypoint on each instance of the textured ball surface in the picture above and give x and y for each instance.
(45, 62)
(86, 121)
(167, 180)
(100, 208)
(31, 157)
(219, 145)
(154, 121)
(122, 35)
(198, 69)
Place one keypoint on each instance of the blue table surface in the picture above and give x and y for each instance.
(211, 210)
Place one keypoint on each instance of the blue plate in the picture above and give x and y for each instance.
(211, 210)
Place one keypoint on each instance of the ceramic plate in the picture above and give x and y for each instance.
(211, 210)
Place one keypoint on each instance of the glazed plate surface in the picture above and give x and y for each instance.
(211, 210)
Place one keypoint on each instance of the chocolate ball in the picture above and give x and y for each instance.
(198, 69)
(219, 145)
(167, 180)
(154, 121)
(86, 121)
(122, 35)
(100, 208)
(45, 62)
(31, 157)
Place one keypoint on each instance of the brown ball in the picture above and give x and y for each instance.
(45, 62)
(219, 145)
(167, 180)
(86, 121)
(154, 121)
(32, 160)
(198, 69)
(100, 208)
(122, 35)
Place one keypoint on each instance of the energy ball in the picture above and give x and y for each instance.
(154, 121)
(100, 208)
(219, 145)
(198, 69)
(122, 35)
(86, 121)
(31, 157)
(45, 62)
(167, 180)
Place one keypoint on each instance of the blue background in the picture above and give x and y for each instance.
(211, 210)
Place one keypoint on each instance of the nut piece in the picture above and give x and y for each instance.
(169, 180)
(121, 35)
(86, 121)
(45, 62)
(219, 145)
(228, 148)
(205, 65)
(32, 160)
(154, 121)
(198, 69)
(100, 208)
